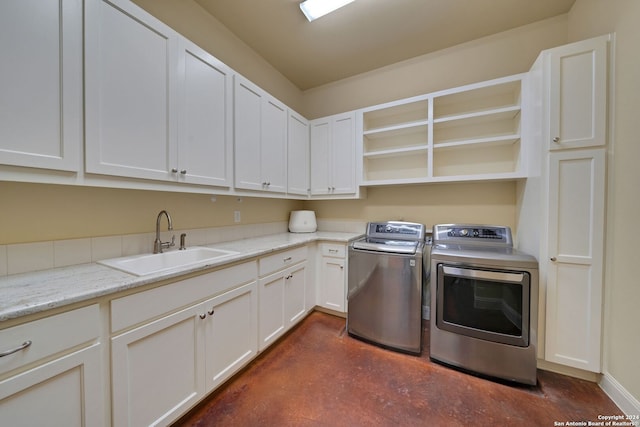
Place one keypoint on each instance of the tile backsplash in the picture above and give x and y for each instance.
(27, 257)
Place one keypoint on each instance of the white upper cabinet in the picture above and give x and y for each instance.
(41, 83)
(578, 94)
(333, 162)
(157, 106)
(205, 123)
(260, 139)
(130, 83)
(297, 155)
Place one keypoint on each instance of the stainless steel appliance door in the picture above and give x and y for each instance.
(487, 304)
(385, 299)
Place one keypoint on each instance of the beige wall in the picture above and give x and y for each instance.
(36, 212)
(503, 54)
(590, 18)
(485, 203)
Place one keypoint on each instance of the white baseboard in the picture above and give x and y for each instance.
(620, 396)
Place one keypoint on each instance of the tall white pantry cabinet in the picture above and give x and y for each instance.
(562, 210)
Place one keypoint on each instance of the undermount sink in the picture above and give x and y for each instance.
(141, 265)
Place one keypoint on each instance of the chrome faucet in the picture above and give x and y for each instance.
(158, 244)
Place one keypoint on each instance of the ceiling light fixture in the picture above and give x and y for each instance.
(314, 9)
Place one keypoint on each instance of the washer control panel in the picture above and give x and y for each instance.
(396, 230)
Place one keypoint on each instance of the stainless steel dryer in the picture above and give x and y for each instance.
(385, 286)
(484, 302)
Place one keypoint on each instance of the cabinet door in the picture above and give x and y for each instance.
(231, 335)
(271, 310)
(41, 83)
(320, 151)
(343, 170)
(294, 294)
(205, 118)
(68, 391)
(578, 94)
(247, 134)
(575, 267)
(130, 76)
(158, 370)
(332, 284)
(297, 155)
(274, 146)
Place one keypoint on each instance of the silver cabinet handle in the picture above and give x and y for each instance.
(554, 259)
(287, 259)
(174, 170)
(211, 312)
(333, 251)
(202, 316)
(556, 139)
(17, 349)
(183, 171)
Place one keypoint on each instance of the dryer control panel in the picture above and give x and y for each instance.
(472, 234)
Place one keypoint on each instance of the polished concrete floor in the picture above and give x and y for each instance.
(319, 376)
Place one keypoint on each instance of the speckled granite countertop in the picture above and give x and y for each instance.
(29, 293)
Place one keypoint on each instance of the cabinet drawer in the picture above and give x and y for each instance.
(143, 306)
(275, 262)
(48, 336)
(331, 249)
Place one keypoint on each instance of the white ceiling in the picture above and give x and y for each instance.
(367, 34)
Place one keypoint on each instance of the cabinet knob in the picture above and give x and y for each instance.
(174, 170)
(211, 312)
(554, 259)
(202, 316)
(183, 171)
(556, 139)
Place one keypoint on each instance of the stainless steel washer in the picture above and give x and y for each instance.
(385, 286)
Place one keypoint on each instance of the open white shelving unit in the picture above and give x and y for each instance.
(467, 133)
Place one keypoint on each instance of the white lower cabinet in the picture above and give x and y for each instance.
(158, 370)
(231, 333)
(67, 388)
(163, 366)
(575, 248)
(282, 293)
(332, 277)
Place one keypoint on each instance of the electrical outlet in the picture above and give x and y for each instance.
(236, 216)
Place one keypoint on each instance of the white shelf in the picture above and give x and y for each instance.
(397, 152)
(463, 134)
(396, 113)
(487, 142)
(494, 114)
(395, 128)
